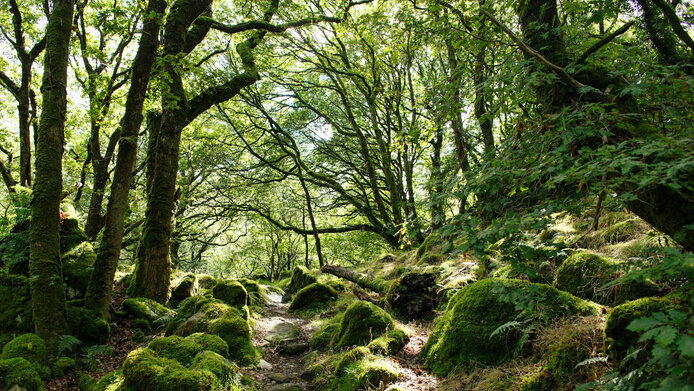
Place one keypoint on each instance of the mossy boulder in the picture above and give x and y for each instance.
(184, 287)
(301, 278)
(147, 309)
(433, 240)
(390, 343)
(71, 235)
(362, 322)
(206, 282)
(539, 381)
(15, 307)
(63, 366)
(257, 294)
(230, 292)
(144, 370)
(113, 381)
(618, 338)
(358, 369)
(476, 311)
(185, 349)
(323, 337)
(312, 297)
(29, 346)
(78, 264)
(88, 326)
(219, 366)
(215, 317)
(20, 372)
(585, 274)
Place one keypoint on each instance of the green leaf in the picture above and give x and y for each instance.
(666, 336)
(685, 344)
(642, 324)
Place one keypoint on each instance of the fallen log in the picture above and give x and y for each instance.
(363, 280)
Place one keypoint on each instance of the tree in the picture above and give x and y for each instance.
(47, 289)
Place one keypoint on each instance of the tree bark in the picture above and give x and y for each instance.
(100, 288)
(47, 287)
(363, 280)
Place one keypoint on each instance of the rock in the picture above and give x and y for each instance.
(230, 292)
(184, 287)
(314, 296)
(301, 278)
(279, 330)
(414, 296)
(280, 377)
(287, 387)
(293, 348)
(264, 365)
(362, 321)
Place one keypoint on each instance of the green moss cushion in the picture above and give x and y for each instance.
(231, 293)
(361, 322)
(143, 369)
(301, 278)
(185, 349)
(19, 372)
(462, 336)
(30, 347)
(314, 296)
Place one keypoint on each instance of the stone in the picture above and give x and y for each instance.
(279, 330)
(293, 348)
(280, 378)
(264, 365)
(287, 387)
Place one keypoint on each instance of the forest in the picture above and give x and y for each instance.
(295, 195)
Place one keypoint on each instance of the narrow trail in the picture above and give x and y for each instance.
(283, 337)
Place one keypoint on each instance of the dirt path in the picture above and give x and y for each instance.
(283, 337)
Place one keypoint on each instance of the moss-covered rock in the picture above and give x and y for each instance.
(71, 235)
(585, 274)
(63, 366)
(184, 287)
(323, 337)
(88, 326)
(30, 347)
(15, 306)
(431, 241)
(257, 294)
(358, 369)
(235, 331)
(230, 292)
(312, 297)
(142, 308)
(144, 370)
(390, 343)
(301, 278)
(540, 381)
(185, 349)
(142, 325)
(618, 338)
(78, 264)
(114, 381)
(361, 322)
(414, 296)
(219, 366)
(206, 282)
(19, 372)
(480, 308)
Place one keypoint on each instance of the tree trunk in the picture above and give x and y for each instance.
(47, 288)
(436, 193)
(316, 237)
(363, 280)
(100, 288)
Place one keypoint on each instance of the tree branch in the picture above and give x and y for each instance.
(598, 45)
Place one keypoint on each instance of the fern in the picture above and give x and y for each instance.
(591, 361)
(98, 349)
(506, 327)
(68, 345)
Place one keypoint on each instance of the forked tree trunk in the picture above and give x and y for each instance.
(47, 288)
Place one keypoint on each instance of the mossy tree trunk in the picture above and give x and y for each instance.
(100, 288)
(47, 288)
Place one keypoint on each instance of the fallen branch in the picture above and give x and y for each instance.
(363, 280)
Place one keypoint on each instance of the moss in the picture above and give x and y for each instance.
(185, 310)
(216, 364)
(585, 274)
(88, 326)
(257, 295)
(142, 325)
(323, 337)
(434, 239)
(142, 308)
(30, 347)
(314, 296)
(478, 309)
(235, 331)
(622, 231)
(360, 370)
(390, 343)
(15, 307)
(71, 235)
(361, 322)
(618, 339)
(301, 278)
(18, 371)
(77, 265)
(144, 370)
(540, 381)
(185, 349)
(63, 366)
(184, 287)
(114, 381)
(205, 281)
(231, 292)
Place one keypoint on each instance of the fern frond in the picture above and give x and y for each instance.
(506, 327)
(68, 345)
